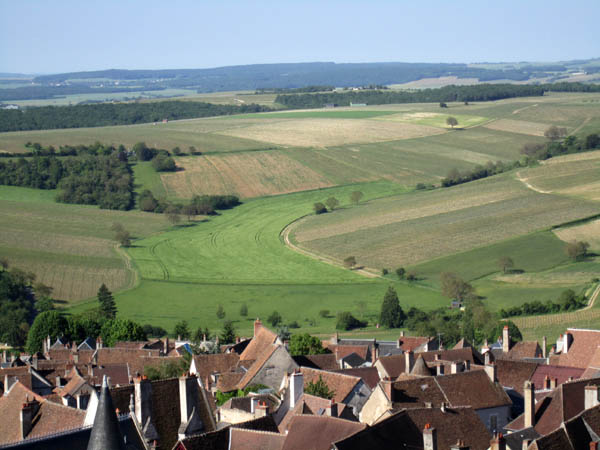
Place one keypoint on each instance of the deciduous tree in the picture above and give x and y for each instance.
(506, 263)
(319, 389)
(350, 262)
(577, 250)
(305, 344)
(332, 203)
(182, 330)
(356, 196)
(451, 121)
(455, 287)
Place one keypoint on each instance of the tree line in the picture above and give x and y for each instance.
(298, 90)
(481, 92)
(568, 301)
(105, 114)
(103, 180)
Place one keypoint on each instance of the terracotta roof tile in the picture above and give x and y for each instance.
(325, 361)
(340, 383)
(562, 374)
(341, 351)
(524, 349)
(318, 432)
(513, 374)
(260, 361)
(241, 439)
(582, 348)
(416, 392)
(117, 373)
(368, 374)
(411, 343)
(259, 343)
(473, 388)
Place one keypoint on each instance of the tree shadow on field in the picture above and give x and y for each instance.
(514, 271)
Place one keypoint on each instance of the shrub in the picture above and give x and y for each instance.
(319, 208)
(346, 321)
(350, 262)
(324, 313)
(274, 319)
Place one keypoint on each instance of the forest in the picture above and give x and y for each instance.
(104, 114)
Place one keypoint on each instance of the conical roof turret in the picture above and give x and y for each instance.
(106, 434)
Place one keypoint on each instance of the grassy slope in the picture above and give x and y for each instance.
(68, 247)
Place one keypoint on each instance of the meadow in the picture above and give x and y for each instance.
(280, 164)
(68, 247)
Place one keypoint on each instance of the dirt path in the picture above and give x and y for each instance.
(583, 124)
(593, 298)
(285, 234)
(530, 186)
(517, 111)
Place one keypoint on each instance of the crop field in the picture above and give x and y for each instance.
(329, 132)
(239, 257)
(184, 133)
(588, 232)
(68, 247)
(519, 126)
(251, 174)
(410, 229)
(436, 119)
(572, 175)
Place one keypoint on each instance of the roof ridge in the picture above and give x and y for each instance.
(257, 431)
(441, 390)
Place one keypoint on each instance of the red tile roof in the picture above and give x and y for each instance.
(524, 349)
(411, 343)
(325, 361)
(582, 348)
(241, 439)
(513, 374)
(259, 343)
(260, 361)
(368, 374)
(307, 432)
(562, 374)
(341, 384)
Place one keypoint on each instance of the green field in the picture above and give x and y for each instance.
(68, 247)
(239, 256)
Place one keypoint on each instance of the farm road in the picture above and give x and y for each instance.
(530, 186)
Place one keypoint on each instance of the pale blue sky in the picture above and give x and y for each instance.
(67, 35)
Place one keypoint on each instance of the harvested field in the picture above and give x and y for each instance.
(330, 132)
(68, 247)
(410, 229)
(252, 174)
(518, 126)
(436, 119)
(588, 232)
(573, 175)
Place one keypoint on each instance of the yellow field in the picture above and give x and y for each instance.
(252, 174)
(541, 280)
(519, 126)
(588, 232)
(330, 132)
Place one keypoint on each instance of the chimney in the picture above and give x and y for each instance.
(332, 409)
(591, 396)
(402, 334)
(505, 339)
(553, 383)
(257, 326)
(98, 343)
(3, 356)
(166, 345)
(567, 339)
(189, 391)
(296, 388)
(429, 437)
(439, 369)
(388, 388)
(553, 349)
(491, 370)
(409, 361)
(443, 407)
(467, 365)
(525, 444)
(487, 356)
(529, 399)
(460, 445)
(544, 347)
(498, 442)
(594, 445)
(262, 409)
(143, 399)
(76, 358)
(253, 404)
(28, 412)
(57, 381)
(335, 339)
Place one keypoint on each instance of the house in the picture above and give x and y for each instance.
(212, 366)
(580, 432)
(556, 408)
(325, 361)
(349, 390)
(577, 348)
(417, 428)
(472, 388)
(269, 368)
(244, 409)
(309, 432)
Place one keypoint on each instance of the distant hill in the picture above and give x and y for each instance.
(289, 76)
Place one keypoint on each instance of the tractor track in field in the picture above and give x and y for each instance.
(134, 279)
(158, 260)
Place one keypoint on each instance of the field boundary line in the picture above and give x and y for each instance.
(593, 298)
(285, 234)
(517, 111)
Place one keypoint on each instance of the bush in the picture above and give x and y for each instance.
(319, 208)
(350, 262)
(244, 310)
(324, 313)
(384, 271)
(274, 319)
(346, 321)
(305, 344)
(220, 312)
(401, 272)
(163, 163)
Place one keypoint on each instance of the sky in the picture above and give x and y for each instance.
(66, 35)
